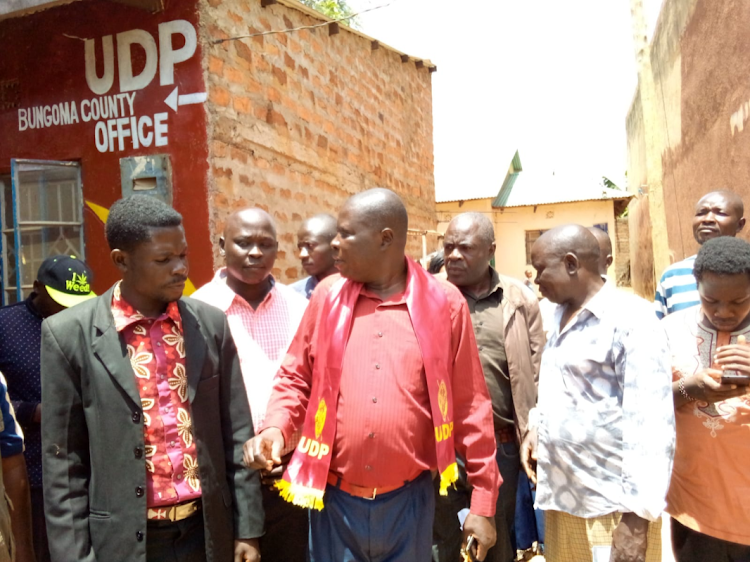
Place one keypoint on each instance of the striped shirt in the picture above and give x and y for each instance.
(11, 435)
(677, 288)
(262, 335)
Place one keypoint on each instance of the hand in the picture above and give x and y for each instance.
(37, 413)
(528, 454)
(734, 357)
(246, 549)
(483, 529)
(705, 386)
(264, 450)
(270, 477)
(630, 539)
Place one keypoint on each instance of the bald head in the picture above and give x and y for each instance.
(732, 201)
(371, 240)
(566, 260)
(254, 217)
(605, 248)
(322, 225)
(478, 222)
(380, 208)
(571, 239)
(314, 244)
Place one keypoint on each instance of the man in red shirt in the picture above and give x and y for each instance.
(387, 361)
(145, 413)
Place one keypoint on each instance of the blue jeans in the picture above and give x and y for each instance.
(394, 527)
(529, 521)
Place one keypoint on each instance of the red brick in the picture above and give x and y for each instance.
(243, 51)
(215, 65)
(218, 149)
(289, 62)
(275, 118)
(234, 76)
(273, 95)
(242, 104)
(222, 172)
(219, 96)
(291, 273)
(280, 75)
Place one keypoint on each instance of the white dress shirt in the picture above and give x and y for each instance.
(605, 412)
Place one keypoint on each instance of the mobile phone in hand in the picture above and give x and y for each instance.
(733, 377)
(471, 549)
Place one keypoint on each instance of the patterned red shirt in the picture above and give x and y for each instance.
(157, 353)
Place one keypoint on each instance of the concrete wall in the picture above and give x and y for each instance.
(301, 121)
(512, 223)
(700, 66)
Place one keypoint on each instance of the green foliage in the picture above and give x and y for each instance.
(334, 9)
(609, 183)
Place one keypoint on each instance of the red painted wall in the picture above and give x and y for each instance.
(45, 54)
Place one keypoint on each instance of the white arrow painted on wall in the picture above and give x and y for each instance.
(174, 100)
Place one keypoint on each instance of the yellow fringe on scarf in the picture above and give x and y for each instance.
(311, 498)
(447, 478)
(303, 496)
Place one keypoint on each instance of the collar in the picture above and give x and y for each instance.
(393, 300)
(31, 308)
(125, 314)
(222, 296)
(496, 284)
(598, 304)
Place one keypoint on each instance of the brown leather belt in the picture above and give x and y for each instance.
(505, 435)
(174, 512)
(360, 491)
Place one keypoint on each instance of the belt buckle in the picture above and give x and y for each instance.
(374, 493)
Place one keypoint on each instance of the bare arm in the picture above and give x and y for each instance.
(17, 487)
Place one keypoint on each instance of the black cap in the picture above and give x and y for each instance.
(67, 280)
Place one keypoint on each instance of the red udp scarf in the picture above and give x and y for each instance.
(304, 481)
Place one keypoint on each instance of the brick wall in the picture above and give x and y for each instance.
(301, 121)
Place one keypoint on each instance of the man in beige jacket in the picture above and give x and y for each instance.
(508, 330)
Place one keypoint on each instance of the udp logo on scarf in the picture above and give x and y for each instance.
(444, 431)
(313, 447)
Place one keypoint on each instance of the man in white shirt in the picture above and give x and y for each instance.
(601, 440)
(263, 316)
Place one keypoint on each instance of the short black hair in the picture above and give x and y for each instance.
(437, 261)
(725, 255)
(131, 218)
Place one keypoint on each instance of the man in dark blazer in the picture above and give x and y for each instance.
(146, 413)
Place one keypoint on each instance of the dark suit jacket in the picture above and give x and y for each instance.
(92, 436)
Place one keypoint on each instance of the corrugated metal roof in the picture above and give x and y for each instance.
(517, 163)
(541, 189)
(506, 189)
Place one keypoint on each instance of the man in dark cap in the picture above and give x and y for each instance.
(61, 282)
